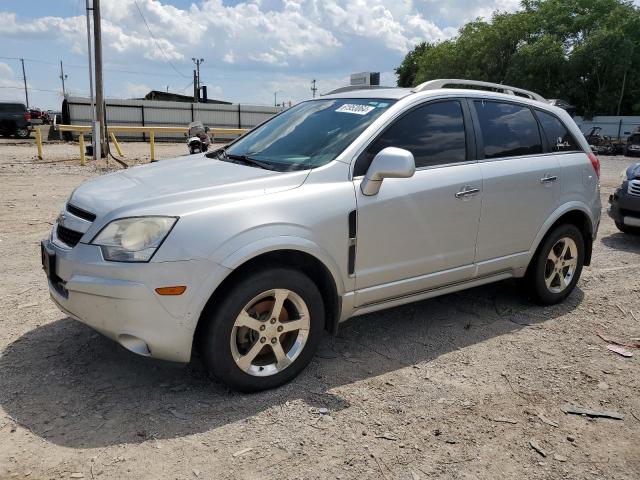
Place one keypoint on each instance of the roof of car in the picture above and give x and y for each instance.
(392, 93)
(438, 86)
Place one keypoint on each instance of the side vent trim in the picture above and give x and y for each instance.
(353, 228)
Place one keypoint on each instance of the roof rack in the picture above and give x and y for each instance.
(441, 83)
(353, 88)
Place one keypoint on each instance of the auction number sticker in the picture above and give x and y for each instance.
(355, 108)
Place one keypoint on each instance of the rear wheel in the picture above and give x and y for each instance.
(556, 268)
(628, 229)
(264, 331)
(22, 132)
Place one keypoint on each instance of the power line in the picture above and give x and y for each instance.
(153, 73)
(156, 42)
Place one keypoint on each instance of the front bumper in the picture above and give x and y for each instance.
(624, 207)
(119, 299)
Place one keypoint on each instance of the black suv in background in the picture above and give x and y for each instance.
(15, 119)
(633, 146)
(625, 201)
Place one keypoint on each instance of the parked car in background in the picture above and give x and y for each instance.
(339, 206)
(632, 149)
(39, 117)
(625, 201)
(15, 119)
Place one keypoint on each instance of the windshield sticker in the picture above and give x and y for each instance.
(382, 105)
(355, 108)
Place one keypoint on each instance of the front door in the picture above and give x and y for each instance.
(419, 233)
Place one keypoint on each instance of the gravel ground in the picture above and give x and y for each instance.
(457, 387)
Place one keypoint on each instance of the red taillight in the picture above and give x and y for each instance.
(595, 163)
(27, 116)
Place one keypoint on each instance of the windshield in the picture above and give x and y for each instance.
(309, 135)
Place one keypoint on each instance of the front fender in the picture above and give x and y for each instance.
(285, 242)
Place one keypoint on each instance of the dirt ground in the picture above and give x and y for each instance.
(457, 387)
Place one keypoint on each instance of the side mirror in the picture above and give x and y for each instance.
(390, 162)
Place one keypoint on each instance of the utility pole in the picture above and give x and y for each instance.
(63, 78)
(196, 77)
(275, 97)
(24, 77)
(314, 89)
(97, 40)
(94, 128)
(195, 86)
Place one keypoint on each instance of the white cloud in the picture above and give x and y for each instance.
(135, 90)
(10, 86)
(255, 42)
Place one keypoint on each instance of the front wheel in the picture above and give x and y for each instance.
(264, 331)
(556, 268)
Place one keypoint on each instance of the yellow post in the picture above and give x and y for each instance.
(83, 160)
(39, 142)
(152, 145)
(116, 144)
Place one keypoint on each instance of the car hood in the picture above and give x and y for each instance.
(185, 183)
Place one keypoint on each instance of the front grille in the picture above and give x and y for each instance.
(68, 236)
(634, 187)
(80, 213)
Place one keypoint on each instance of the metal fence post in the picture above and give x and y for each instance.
(39, 142)
(83, 160)
(152, 145)
(144, 135)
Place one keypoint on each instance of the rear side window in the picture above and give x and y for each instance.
(12, 107)
(434, 133)
(508, 130)
(560, 140)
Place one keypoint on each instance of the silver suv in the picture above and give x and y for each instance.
(337, 207)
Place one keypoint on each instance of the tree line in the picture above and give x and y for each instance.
(586, 52)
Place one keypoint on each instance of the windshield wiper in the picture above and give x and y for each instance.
(250, 161)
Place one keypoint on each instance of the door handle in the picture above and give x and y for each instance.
(467, 191)
(548, 178)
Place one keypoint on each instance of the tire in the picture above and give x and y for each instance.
(237, 349)
(23, 132)
(548, 282)
(628, 229)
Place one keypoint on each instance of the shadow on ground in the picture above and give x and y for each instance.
(625, 242)
(73, 387)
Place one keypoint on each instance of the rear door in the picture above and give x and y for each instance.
(521, 182)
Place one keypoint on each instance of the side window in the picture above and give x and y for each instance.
(508, 130)
(434, 133)
(560, 140)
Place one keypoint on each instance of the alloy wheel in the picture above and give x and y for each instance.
(561, 265)
(270, 332)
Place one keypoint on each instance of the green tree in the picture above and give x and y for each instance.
(583, 51)
(408, 69)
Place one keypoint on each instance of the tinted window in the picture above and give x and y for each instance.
(434, 133)
(309, 134)
(507, 130)
(560, 140)
(12, 107)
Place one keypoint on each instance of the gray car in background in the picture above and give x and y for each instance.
(337, 207)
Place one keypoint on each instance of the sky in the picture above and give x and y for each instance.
(251, 48)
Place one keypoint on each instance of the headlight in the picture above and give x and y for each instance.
(133, 239)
